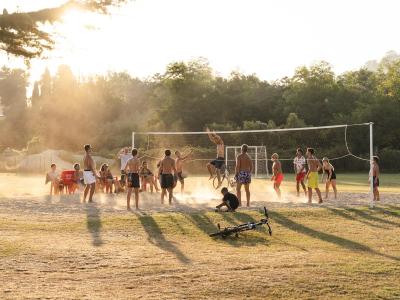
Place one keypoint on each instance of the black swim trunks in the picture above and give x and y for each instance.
(167, 181)
(133, 180)
(218, 162)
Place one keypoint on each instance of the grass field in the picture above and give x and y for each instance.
(69, 250)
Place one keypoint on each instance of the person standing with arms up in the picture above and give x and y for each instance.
(219, 162)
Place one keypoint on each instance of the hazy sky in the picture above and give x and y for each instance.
(269, 38)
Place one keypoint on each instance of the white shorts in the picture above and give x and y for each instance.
(88, 177)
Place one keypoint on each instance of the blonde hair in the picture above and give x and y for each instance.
(275, 155)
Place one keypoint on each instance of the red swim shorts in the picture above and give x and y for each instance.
(278, 178)
(300, 176)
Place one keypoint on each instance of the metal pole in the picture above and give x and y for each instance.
(371, 154)
(133, 140)
(226, 157)
(256, 158)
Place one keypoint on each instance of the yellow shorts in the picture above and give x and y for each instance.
(312, 180)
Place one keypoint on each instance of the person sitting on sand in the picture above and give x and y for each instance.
(147, 177)
(108, 179)
(229, 200)
(54, 178)
(77, 177)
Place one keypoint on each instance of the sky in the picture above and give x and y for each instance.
(263, 37)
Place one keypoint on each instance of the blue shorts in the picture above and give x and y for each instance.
(243, 177)
(218, 162)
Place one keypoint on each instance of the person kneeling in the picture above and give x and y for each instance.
(229, 200)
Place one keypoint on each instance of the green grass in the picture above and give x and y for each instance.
(326, 253)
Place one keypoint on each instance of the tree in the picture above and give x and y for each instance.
(21, 34)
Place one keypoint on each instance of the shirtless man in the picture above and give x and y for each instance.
(220, 160)
(167, 167)
(314, 166)
(179, 162)
(277, 173)
(244, 167)
(133, 182)
(89, 173)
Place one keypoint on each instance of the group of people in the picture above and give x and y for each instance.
(136, 175)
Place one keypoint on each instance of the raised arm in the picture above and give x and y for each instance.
(187, 155)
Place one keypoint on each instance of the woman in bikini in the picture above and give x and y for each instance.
(329, 173)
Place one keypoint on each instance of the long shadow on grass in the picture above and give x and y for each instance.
(156, 237)
(326, 237)
(394, 212)
(93, 223)
(368, 216)
(345, 214)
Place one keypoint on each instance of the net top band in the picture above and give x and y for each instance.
(253, 131)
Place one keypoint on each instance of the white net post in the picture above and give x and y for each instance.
(266, 161)
(371, 174)
(256, 162)
(133, 140)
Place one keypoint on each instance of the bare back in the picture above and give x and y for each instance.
(244, 163)
(133, 165)
(167, 165)
(313, 164)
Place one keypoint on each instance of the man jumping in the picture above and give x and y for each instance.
(219, 162)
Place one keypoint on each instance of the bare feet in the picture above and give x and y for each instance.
(320, 201)
(211, 177)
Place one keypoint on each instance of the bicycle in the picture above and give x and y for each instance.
(227, 231)
(225, 177)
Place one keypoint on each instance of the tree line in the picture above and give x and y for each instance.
(65, 112)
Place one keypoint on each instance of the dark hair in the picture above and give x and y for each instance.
(76, 165)
(300, 150)
(52, 165)
(245, 148)
(375, 159)
(134, 151)
(311, 150)
(87, 147)
(167, 152)
(224, 190)
(144, 162)
(103, 167)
